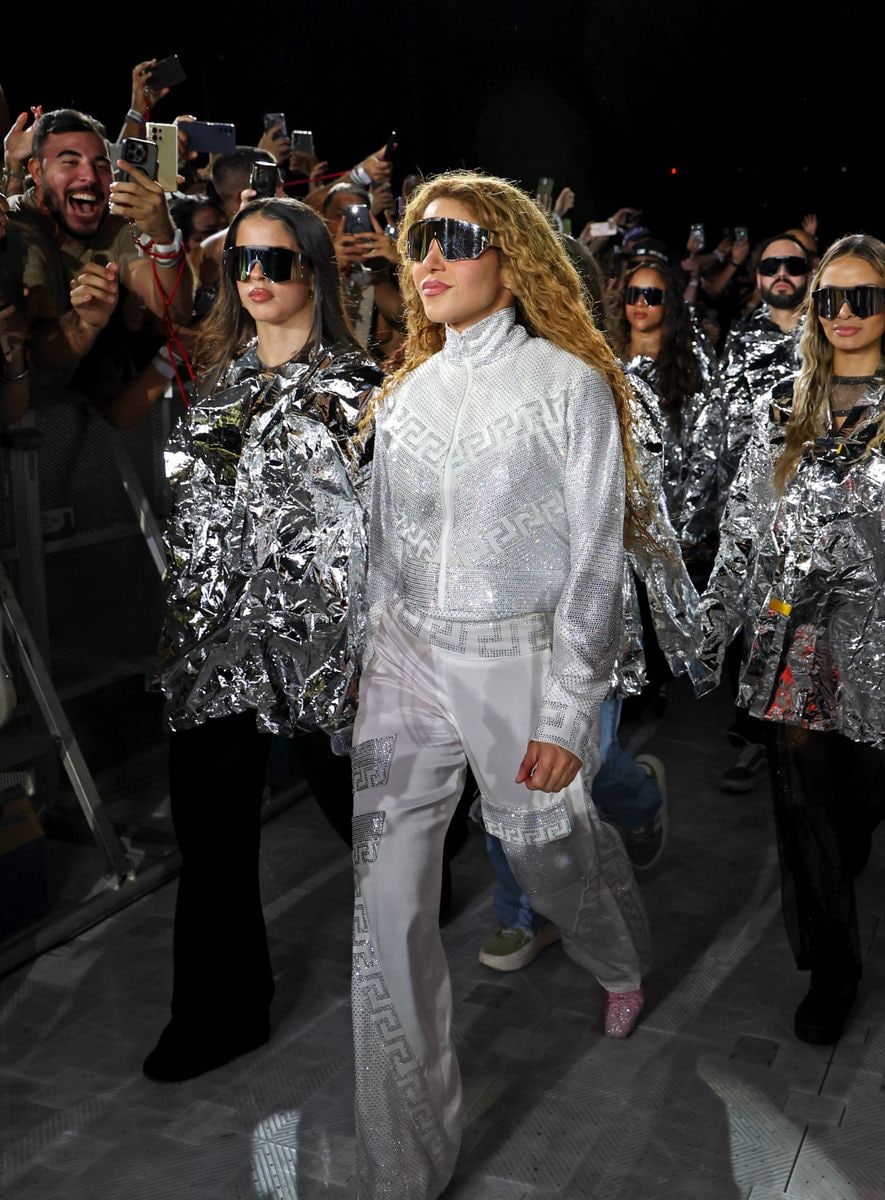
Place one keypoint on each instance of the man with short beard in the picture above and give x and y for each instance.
(760, 352)
(79, 248)
(761, 349)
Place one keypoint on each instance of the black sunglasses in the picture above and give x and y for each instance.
(793, 264)
(864, 301)
(456, 239)
(277, 263)
(651, 295)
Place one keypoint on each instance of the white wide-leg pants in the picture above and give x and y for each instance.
(423, 714)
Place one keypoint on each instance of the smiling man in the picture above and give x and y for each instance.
(84, 236)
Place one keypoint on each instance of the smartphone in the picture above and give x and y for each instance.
(210, 137)
(12, 266)
(140, 153)
(166, 139)
(389, 146)
(544, 191)
(603, 229)
(302, 140)
(166, 73)
(358, 219)
(264, 179)
(272, 120)
(697, 232)
(740, 233)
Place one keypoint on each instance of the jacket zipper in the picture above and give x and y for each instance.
(446, 531)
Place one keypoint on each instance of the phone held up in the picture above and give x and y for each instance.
(358, 219)
(141, 153)
(166, 73)
(697, 232)
(166, 139)
(740, 233)
(264, 179)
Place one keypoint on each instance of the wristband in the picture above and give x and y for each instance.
(13, 378)
(165, 254)
(134, 115)
(732, 263)
(360, 175)
(163, 362)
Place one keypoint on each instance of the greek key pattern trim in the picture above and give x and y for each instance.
(527, 827)
(390, 1080)
(370, 762)
(367, 830)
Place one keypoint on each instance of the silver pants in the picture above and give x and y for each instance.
(423, 714)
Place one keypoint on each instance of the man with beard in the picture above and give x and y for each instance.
(79, 248)
(760, 351)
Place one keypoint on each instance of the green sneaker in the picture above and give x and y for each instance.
(511, 949)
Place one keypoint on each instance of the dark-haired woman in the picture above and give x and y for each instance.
(655, 335)
(801, 567)
(266, 554)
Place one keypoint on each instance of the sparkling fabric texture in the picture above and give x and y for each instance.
(622, 1010)
(757, 356)
(671, 594)
(370, 762)
(693, 447)
(367, 831)
(809, 573)
(392, 1162)
(266, 544)
(498, 494)
(526, 826)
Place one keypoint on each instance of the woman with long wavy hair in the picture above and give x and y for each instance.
(496, 549)
(801, 565)
(263, 627)
(656, 337)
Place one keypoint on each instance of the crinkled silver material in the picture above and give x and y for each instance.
(757, 356)
(808, 573)
(266, 544)
(671, 594)
(693, 449)
(498, 492)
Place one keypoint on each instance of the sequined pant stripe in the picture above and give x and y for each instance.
(443, 709)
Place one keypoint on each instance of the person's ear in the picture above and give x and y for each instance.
(507, 280)
(35, 171)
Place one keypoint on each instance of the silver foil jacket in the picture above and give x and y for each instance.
(757, 356)
(807, 576)
(693, 448)
(266, 544)
(671, 594)
(497, 514)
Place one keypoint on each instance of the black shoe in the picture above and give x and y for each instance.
(184, 1053)
(821, 1016)
(748, 768)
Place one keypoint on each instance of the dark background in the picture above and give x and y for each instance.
(765, 113)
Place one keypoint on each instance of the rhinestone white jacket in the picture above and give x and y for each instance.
(497, 514)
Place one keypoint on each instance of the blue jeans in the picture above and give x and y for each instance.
(625, 795)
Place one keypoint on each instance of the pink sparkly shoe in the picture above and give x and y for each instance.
(622, 1011)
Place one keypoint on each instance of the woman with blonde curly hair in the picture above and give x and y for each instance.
(496, 548)
(802, 553)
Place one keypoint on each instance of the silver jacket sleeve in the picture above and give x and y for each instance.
(728, 602)
(266, 545)
(671, 594)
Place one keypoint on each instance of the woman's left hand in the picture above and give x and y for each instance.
(547, 768)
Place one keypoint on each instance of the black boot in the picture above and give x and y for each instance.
(821, 1016)
(185, 1051)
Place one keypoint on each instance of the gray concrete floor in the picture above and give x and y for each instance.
(712, 1097)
